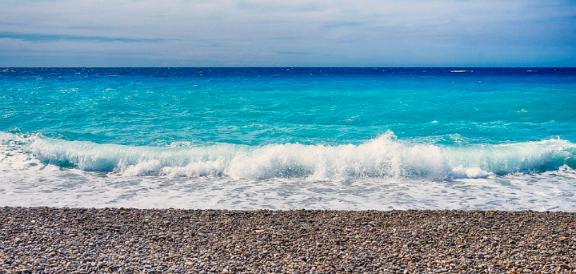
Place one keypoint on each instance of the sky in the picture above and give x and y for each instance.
(267, 33)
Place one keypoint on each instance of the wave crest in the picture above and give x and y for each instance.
(384, 156)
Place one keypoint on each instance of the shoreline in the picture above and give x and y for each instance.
(84, 240)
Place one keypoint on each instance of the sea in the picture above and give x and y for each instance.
(371, 138)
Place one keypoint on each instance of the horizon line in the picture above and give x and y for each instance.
(170, 67)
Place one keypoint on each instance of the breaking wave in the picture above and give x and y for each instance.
(385, 157)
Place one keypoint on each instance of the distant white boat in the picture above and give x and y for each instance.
(459, 70)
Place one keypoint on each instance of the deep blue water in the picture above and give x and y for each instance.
(323, 124)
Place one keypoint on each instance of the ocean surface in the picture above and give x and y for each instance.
(289, 138)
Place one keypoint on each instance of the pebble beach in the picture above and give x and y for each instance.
(122, 240)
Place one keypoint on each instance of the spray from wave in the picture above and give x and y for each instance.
(382, 157)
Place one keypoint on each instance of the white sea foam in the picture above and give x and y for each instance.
(384, 173)
(383, 157)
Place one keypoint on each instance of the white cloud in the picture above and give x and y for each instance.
(322, 32)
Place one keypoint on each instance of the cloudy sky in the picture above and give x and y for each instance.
(287, 33)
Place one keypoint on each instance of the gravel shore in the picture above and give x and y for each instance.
(67, 240)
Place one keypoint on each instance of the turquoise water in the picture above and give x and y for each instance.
(309, 106)
(284, 127)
